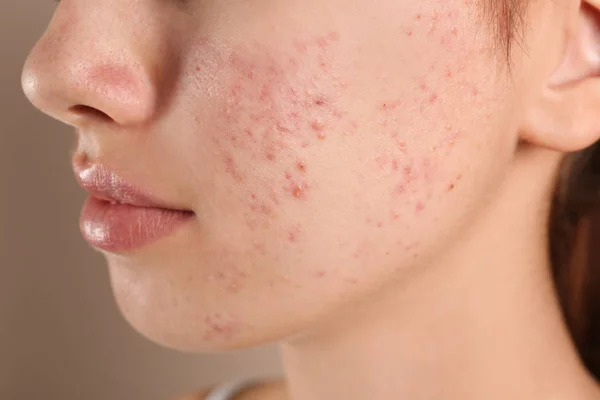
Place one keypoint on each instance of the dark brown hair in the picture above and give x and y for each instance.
(574, 222)
(574, 228)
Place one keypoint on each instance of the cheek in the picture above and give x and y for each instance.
(314, 131)
(277, 112)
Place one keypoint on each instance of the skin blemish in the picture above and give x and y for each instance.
(301, 166)
(389, 105)
(451, 187)
(219, 326)
(319, 101)
(408, 174)
(297, 189)
(321, 274)
(232, 169)
(453, 137)
(294, 233)
(317, 126)
(433, 98)
(420, 207)
(261, 209)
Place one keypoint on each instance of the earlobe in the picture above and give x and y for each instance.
(565, 115)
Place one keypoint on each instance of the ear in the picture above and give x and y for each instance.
(565, 115)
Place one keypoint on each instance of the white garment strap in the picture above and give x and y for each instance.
(229, 390)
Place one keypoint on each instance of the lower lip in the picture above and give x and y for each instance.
(119, 228)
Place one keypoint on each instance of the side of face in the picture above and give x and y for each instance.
(326, 147)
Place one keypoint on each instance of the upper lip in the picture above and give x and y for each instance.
(102, 183)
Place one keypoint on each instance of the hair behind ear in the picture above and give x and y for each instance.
(575, 250)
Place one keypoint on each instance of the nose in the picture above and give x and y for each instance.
(96, 63)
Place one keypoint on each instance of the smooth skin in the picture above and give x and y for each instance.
(371, 182)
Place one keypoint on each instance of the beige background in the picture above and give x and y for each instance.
(61, 336)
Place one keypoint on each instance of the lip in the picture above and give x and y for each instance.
(118, 217)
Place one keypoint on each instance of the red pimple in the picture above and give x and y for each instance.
(321, 136)
(317, 126)
(451, 187)
(433, 98)
(320, 274)
(301, 166)
(261, 209)
(420, 206)
(298, 191)
(232, 169)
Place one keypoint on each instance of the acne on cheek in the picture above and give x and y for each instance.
(276, 107)
(416, 169)
(220, 327)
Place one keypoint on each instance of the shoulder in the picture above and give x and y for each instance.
(261, 391)
(199, 395)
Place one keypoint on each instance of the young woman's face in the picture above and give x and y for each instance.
(325, 147)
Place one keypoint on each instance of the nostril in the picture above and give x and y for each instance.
(90, 112)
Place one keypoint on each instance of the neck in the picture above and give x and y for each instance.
(483, 324)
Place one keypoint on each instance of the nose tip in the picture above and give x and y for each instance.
(76, 76)
(93, 89)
